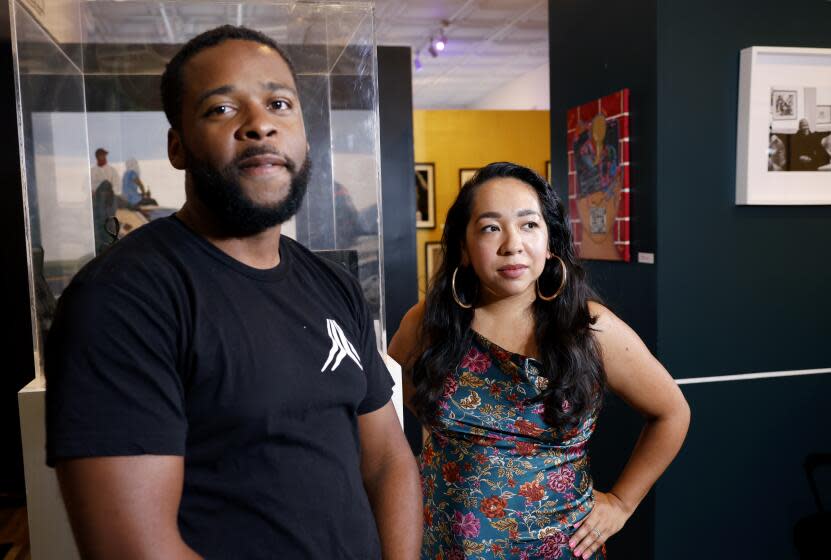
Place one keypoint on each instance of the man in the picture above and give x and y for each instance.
(214, 388)
(103, 171)
(777, 153)
(807, 153)
(826, 145)
(104, 179)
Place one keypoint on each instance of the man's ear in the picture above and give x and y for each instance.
(175, 149)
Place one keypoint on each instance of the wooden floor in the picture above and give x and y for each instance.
(14, 529)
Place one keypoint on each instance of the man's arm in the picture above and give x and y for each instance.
(392, 483)
(125, 507)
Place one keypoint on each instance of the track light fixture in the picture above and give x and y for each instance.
(434, 52)
(441, 41)
(436, 44)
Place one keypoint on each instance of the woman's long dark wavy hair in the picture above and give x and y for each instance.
(563, 327)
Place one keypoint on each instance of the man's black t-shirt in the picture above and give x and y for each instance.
(165, 345)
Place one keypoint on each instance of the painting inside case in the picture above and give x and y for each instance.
(598, 177)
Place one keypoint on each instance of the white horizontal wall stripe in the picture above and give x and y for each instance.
(748, 376)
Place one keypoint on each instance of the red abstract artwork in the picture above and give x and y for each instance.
(598, 177)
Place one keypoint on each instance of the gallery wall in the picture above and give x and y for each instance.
(733, 291)
(741, 289)
(453, 140)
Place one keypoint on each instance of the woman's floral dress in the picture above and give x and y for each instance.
(498, 481)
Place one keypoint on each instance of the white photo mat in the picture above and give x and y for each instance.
(763, 71)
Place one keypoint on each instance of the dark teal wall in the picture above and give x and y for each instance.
(597, 48)
(738, 487)
(740, 289)
(734, 289)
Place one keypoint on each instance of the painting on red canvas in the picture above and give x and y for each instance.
(598, 177)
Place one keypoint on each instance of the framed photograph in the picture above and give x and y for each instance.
(432, 259)
(465, 175)
(598, 177)
(425, 181)
(783, 136)
(783, 104)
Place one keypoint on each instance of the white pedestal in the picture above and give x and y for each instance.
(50, 535)
(397, 393)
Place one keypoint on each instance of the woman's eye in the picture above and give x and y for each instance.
(490, 229)
(531, 225)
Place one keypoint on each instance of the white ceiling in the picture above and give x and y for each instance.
(490, 44)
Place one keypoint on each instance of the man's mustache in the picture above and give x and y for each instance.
(254, 151)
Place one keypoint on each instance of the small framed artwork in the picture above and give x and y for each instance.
(465, 175)
(783, 132)
(783, 104)
(425, 181)
(432, 260)
(548, 171)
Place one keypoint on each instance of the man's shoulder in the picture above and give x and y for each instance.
(305, 257)
(330, 279)
(146, 251)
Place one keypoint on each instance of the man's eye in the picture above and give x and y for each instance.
(219, 110)
(280, 104)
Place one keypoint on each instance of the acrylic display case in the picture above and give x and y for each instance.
(88, 77)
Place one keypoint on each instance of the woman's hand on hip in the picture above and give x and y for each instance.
(605, 519)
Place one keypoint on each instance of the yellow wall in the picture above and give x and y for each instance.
(466, 139)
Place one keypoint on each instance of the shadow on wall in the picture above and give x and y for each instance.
(811, 532)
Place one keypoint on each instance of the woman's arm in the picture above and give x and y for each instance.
(638, 378)
(404, 348)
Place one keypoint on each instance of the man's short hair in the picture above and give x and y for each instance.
(172, 85)
(101, 151)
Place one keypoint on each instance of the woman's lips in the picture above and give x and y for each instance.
(513, 270)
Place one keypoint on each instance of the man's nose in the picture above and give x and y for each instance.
(258, 125)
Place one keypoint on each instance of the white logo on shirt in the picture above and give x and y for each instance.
(341, 347)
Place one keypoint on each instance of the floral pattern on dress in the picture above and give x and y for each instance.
(498, 481)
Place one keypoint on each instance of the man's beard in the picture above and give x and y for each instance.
(239, 216)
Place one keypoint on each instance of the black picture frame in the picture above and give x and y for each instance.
(425, 183)
(465, 174)
(432, 259)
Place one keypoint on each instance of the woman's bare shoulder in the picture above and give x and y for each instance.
(405, 341)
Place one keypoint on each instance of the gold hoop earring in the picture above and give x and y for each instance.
(453, 291)
(562, 282)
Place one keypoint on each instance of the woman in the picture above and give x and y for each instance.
(506, 364)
